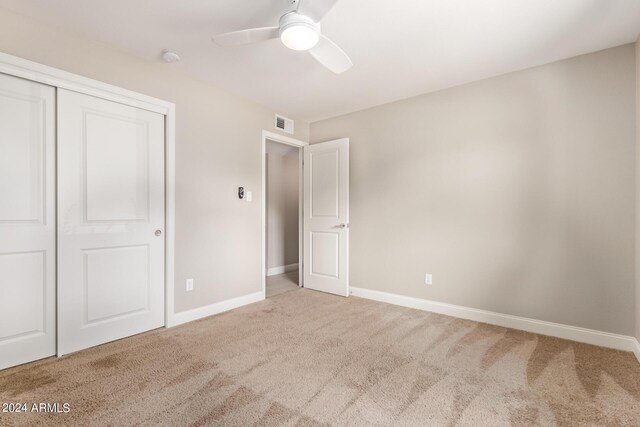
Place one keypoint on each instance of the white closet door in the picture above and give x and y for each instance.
(110, 221)
(27, 221)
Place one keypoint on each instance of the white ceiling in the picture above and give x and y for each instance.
(399, 48)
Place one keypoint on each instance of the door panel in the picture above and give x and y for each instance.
(110, 206)
(324, 184)
(325, 254)
(117, 282)
(27, 221)
(326, 217)
(116, 168)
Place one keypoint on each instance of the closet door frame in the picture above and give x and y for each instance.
(19, 67)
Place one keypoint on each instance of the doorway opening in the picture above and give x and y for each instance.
(282, 214)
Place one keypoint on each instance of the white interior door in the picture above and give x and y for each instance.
(27, 221)
(326, 217)
(110, 221)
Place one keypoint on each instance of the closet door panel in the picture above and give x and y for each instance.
(111, 221)
(27, 221)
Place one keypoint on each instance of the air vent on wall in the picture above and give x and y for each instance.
(284, 124)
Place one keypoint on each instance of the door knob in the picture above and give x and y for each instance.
(343, 225)
(158, 232)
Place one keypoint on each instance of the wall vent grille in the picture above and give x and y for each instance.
(284, 124)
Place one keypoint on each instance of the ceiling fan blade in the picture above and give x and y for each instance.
(247, 36)
(331, 56)
(315, 9)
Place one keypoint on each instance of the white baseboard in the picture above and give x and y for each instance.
(219, 307)
(637, 350)
(281, 269)
(573, 333)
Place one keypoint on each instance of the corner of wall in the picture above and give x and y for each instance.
(303, 130)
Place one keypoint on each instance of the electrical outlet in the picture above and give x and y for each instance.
(249, 196)
(189, 285)
(428, 279)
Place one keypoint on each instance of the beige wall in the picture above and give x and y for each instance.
(282, 209)
(516, 193)
(218, 149)
(638, 188)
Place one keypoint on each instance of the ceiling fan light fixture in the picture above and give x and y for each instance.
(298, 32)
(299, 37)
(298, 29)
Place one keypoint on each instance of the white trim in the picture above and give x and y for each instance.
(573, 333)
(283, 139)
(19, 67)
(170, 215)
(30, 70)
(219, 307)
(636, 350)
(281, 269)
(300, 217)
(266, 135)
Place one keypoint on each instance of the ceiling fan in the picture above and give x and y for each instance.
(298, 29)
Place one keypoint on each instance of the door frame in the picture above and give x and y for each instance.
(40, 73)
(281, 139)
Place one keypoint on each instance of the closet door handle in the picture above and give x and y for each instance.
(158, 232)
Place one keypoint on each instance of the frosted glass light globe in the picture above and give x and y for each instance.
(299, 36)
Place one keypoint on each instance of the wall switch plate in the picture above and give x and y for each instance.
(428, 279)
(249, 196)
(189, 285)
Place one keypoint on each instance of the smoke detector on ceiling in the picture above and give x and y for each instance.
(170, 56)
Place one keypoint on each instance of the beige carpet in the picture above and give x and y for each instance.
(281, 283)
(307, 358)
